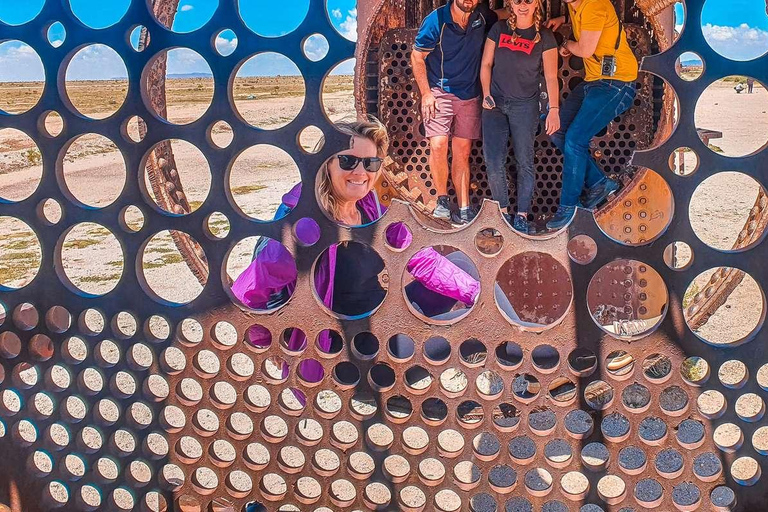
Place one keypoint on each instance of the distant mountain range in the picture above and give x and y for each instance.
(190, 75)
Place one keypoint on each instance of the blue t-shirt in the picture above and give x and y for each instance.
(453, 63)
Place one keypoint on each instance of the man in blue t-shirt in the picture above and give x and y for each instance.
(446, 65)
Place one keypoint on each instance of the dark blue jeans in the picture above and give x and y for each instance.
(587, 110)
(520, 118)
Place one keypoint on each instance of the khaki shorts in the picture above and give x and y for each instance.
(456, 117)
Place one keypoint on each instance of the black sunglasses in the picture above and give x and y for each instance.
(350, 162)
(518, 2)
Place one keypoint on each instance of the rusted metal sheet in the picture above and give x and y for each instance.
(506, 417)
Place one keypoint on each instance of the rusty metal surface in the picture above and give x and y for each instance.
(202, 420)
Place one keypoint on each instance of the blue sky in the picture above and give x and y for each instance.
(19, 62)
(737, 29)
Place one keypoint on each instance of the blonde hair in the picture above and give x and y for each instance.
(538, 17)
(370, 129)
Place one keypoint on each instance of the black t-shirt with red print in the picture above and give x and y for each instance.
(517, 64)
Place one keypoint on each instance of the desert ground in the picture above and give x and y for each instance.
(262, 174)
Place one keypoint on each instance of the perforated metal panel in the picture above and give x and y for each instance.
(202, 419)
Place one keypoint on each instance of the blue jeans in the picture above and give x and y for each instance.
(520, 118)
(587, 110)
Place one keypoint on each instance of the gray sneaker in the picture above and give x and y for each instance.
(443, 208)
(460, 217)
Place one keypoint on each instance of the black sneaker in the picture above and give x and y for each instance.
(443, 208)
(463, 216)
(520, 224)
(562, 217)
(596, 195)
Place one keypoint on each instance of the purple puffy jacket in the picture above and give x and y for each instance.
(274, 269)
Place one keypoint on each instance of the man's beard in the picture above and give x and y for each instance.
(466, 6)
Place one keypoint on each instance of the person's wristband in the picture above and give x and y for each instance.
(554, 108)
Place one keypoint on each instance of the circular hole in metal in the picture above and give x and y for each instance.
(545, 357)
(186, 70)
(221, 134)
(643, 212)
(362, 289)
(435, 410)
(166, 274)
(90, 259)
(51, 124)
(627, 299)
(582, 249)
(582, 361)
(399, 236)
(252, 186)
(724, 306)
(489, 241)
(689, 66)
(684, 161)
(526, 387)
(657, 367)
(225, 42)
(473, 352)
(437, 350)
(217, 226)
(243, 264)
(264, 100)
(20, 254)
(139, 38)
(311, 139)
(29, 68)
(724, 108)
(723, 220)
(307, 231)
(329, 342)
(56, 34)
(678, 256)
(431, 305)
(533, 290)
(22, 165)
(509, 354)
(89, 159)
(315, 47)
(366, 344)
(182, 178)
(96, 81)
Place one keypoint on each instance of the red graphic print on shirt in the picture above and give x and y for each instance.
(520, 45)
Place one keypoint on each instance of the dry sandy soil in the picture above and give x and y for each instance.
(262, 174)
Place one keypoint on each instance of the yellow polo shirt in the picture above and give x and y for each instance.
(596, 16)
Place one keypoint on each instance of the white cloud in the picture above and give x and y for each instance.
(316, 47)
(348, 27)
(19, 62)
(184, 61)
(336, 13)
(226, 46)
(737, 43)
(96, 62)
(269, 64)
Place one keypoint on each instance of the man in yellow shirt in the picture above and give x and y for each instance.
(607, 91)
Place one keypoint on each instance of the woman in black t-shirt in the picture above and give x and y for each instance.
(517, 52)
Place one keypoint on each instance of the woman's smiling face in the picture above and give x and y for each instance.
(522, 9)
(351, 186)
